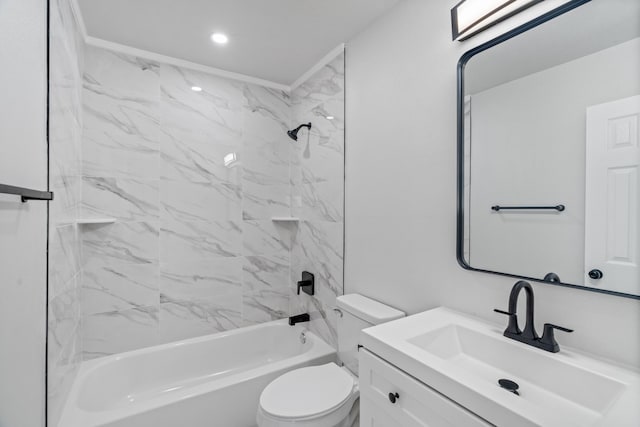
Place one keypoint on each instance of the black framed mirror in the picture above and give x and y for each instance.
(548, 150)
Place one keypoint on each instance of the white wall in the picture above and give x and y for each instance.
(528, 148)
(23, 232)
(401, 188)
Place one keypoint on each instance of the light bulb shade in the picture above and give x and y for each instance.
(469, 17)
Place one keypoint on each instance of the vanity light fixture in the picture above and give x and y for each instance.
(219, 38)
(470, 17)
(330, 117)
(196, 88)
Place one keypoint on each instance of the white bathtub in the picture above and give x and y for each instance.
(211, 381)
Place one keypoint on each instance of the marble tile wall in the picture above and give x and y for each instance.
(317, 180)
(65, 273)
(193, 180)
(121, 180)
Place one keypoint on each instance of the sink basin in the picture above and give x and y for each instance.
(464, 358)
(549, 383)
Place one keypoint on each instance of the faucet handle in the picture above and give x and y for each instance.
(307, 284)
(549, 327)
(548, 340)
(512, 327)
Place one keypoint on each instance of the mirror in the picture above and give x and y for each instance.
(548, 150)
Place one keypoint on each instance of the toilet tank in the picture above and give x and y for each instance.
(357, 312)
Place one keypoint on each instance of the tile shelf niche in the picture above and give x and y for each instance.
(83, 221)
(285, 219)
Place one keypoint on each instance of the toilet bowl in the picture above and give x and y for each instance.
(325, 395)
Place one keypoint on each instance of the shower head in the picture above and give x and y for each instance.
(293, 134)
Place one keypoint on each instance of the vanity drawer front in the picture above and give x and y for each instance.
(416, 404)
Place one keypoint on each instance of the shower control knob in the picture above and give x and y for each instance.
(393, 397)
(596, 274)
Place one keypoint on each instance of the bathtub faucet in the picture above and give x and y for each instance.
(307, 284)
(299, 318)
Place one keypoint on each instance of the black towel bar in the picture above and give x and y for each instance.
(497, 208)
(26, 193)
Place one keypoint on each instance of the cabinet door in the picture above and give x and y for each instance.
(389, 394)
(372, 415)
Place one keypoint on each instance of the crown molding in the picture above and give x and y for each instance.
(153, 56)
(318, 66)
(117, 47)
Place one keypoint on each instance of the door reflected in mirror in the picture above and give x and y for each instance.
(549, 143)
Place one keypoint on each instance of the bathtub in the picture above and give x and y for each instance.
(210, 381)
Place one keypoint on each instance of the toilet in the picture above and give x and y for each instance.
(325, 395)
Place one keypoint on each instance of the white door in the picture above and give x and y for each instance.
(612, 195)
(23, 226)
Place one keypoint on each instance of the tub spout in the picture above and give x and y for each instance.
(299, 318)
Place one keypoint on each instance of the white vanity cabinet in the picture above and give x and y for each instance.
(415, 403)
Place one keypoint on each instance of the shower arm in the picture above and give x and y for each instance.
(304, 125)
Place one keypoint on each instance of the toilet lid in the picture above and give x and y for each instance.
(307, 392)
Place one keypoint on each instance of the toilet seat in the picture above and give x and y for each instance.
(308, 393)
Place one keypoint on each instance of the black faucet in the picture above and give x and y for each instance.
(304, 317)
(529, 335)
(307, 284)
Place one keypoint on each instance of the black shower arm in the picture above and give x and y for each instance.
(307, 125)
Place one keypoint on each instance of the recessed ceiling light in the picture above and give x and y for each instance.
(196, 88)
(330, 117)
(219, 38)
